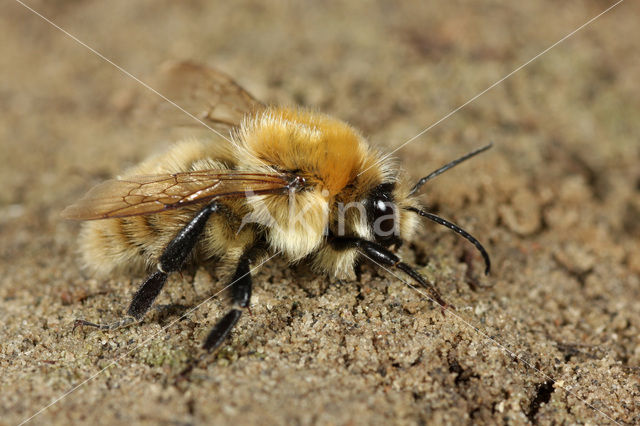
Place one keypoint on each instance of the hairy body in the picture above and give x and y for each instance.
(324, 150)
(289, 181)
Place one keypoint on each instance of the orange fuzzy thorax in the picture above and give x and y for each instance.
(315, 144)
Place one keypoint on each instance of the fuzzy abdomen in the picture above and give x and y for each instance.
(135, 243)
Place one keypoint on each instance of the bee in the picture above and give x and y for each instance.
(288, 181)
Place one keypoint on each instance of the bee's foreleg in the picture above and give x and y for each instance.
(171, 260)
(241, 294)
(382, 256)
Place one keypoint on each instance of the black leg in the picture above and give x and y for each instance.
(357, 269)
(171, 260)
(146, 294)
(241, 293)
(179, 248)
(385, 257)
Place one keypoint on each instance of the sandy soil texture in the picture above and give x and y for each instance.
(550, 337)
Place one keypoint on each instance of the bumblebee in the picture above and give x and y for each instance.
(287, 181)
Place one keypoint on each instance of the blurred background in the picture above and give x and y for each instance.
(556, 201)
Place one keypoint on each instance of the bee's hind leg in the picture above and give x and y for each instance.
(240, 287)
(171, 260)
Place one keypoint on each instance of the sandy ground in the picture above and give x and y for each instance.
(554, 340)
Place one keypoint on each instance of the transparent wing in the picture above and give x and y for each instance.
(205, 92)
(141, 195)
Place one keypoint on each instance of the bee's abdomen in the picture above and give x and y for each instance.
(134, 244)
(127, 244)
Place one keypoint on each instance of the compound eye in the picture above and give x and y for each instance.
(382, 213)
(384, 218)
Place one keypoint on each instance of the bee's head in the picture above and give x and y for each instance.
(387, 210)
(392, 210)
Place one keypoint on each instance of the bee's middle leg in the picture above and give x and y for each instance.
(240, 286)
(171, 260)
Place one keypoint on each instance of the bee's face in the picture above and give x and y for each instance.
(383, 216)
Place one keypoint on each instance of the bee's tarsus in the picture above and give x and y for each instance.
(126, 321)
(407, 269)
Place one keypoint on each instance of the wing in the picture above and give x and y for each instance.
(205, 92)
(141, 195)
